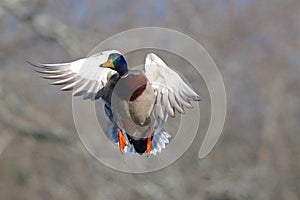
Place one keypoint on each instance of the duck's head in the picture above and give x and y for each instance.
(116, 62)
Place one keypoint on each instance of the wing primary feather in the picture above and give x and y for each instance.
(190, 93)
(159, 112)
(156, 110)
(64, 81)
(183, 101)
(159, 105)
(71, 86)
(82, 88)
(186, 101)
(51, 66)
(174, 103)
(181, 107)
(166, 104)
(65, 75)
(185, 97)
(50, 71)
(55, 64)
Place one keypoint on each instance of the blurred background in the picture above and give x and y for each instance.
(255, 44)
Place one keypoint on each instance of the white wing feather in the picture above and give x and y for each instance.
(83, 76)
(172, 93)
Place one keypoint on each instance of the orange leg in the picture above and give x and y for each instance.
(149, 142)
(122, 141)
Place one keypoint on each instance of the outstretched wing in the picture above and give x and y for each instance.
(85, 76)
(172, 93)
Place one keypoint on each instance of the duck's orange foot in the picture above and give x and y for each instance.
(149, 141)
(122, 141)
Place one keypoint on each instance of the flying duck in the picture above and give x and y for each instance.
(137, 102)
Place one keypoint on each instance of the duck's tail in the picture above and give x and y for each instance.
(160, 138)
(159, 141)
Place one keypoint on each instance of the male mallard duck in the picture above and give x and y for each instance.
(137, 102)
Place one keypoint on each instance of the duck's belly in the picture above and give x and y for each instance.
(136, 122)
(134, 112)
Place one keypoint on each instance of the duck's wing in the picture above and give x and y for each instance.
(84, 76)
(172, 93)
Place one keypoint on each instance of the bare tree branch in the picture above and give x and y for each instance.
(10, 115)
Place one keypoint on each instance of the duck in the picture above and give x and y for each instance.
(137, 102)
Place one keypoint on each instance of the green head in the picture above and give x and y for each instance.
(116, 62)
